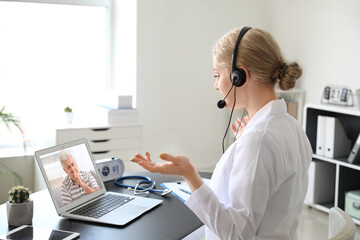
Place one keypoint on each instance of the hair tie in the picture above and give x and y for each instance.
(282, 70)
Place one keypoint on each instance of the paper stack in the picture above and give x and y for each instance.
(113, 101)
(331, 139)
(124, 101)
(118, 109)
(119, 116)
(123, 116)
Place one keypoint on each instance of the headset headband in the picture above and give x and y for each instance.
(241, 34)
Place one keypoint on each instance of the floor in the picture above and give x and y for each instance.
(314, 225)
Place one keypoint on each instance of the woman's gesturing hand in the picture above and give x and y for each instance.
(176, 165)
(240, 126)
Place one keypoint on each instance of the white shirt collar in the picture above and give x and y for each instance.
(272, 108)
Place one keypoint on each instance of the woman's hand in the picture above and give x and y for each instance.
(176, 165)
(240, 126)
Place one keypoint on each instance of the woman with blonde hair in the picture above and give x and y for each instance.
(258, 186)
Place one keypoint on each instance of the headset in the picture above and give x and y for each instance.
(238, 75)
(237, 78)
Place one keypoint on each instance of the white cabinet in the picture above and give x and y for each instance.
(121, 141)
(330, 179)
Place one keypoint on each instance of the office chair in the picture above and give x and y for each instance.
(341, 225)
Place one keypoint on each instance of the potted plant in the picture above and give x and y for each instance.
(68, 114)
(19, 207)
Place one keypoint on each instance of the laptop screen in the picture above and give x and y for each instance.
(70, 174)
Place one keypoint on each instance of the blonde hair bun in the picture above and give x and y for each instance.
(288, 75)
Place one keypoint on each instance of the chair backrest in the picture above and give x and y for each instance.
(341, 225)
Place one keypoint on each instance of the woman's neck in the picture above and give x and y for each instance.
(260, 96)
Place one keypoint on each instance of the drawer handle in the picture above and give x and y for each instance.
(356, 206)
(100, 152)
(99, 141)
(99, 129)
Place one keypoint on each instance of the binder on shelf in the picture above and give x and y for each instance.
(321, 187)
(337, 143)
(320, 135)
(354, 156)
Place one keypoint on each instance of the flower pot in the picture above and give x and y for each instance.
(19, 214)
(68, 117)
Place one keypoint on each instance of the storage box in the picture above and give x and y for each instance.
(352, 203)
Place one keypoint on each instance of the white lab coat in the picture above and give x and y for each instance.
(258, 187)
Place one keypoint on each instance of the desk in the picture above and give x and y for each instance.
(171, 220)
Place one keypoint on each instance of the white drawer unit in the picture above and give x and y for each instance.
(121, 141)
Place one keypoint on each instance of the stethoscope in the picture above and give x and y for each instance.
(138, 190)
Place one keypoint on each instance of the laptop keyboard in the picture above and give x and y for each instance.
(102, 206)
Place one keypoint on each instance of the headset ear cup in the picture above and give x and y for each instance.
(238, 77)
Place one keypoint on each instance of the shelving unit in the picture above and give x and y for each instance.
(330, 179)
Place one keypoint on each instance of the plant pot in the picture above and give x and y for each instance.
(19, 214)
(68, 117)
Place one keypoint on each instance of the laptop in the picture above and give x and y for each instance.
(73, 201)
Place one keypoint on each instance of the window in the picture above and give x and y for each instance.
(54, 54)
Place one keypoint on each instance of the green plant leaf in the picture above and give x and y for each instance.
(9, 119)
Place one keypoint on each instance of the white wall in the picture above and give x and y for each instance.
(324, 37)
(174, 70)
(175, 92)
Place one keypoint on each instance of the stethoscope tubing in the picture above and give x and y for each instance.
(144, 180)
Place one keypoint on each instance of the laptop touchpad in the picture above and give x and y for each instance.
(132, 209)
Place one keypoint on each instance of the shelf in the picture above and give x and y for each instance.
(335, 108)
(331, 178)
(323, 207)
(339, 161)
